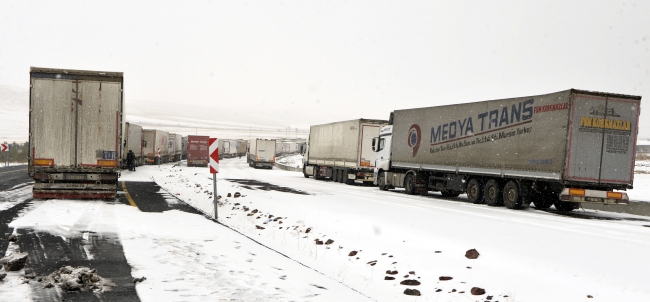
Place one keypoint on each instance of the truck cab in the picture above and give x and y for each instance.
(381, 145)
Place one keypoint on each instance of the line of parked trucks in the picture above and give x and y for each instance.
(79, 141)
(560, 149)
(152, 146)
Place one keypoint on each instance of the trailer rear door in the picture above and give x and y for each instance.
(602, 139)
(99, 120)
(76, 122)
(265, 150)
(52, 125)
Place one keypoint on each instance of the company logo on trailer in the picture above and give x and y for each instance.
(414, 138)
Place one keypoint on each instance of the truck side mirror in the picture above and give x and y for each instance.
(374, 144)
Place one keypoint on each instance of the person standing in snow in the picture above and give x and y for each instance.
(130, 160)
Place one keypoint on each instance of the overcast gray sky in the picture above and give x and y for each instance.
(298, 63)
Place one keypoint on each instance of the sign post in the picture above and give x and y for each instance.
(213, 150)
(4, 148)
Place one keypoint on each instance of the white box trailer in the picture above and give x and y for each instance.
(185, 140)
(342, 151)
(75, 132)
(261, 153)
(132, 141)
(558, 149)
(171, 147)
(155, 142)
(279, 147)
(175, 147)
(289, 147)
(228, 148)
(240, 148)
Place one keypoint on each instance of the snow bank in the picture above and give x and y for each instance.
(294, 161)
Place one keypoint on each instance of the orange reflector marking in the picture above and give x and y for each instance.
(577, 192)
(107, 163)
(43, 162)
(615, 195)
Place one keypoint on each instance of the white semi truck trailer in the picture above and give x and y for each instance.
(75, 132)
(132, 140)
(559, 149)
(342, 151)
(261, 153)
(155, 146)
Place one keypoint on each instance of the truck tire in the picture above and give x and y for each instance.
(409, 184)
(564, 206)
(342, 176)
(492, 193)
(512, 195)
(336, 175)
(381, 182)
(475, 191)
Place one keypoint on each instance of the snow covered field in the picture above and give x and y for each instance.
(525, 255)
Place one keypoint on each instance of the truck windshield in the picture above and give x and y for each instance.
(382, 143)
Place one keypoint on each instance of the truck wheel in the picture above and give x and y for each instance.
(336, 175)
(564, 206)
(492, 193)
(381, 182)
(475, 191)
(409, 184)
(512, 195)
(341, 176)
(304, 172)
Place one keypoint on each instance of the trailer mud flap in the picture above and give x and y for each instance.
(73, 194)
(602, 139)
(74, 191)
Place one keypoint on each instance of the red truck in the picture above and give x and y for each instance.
(197, 151)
